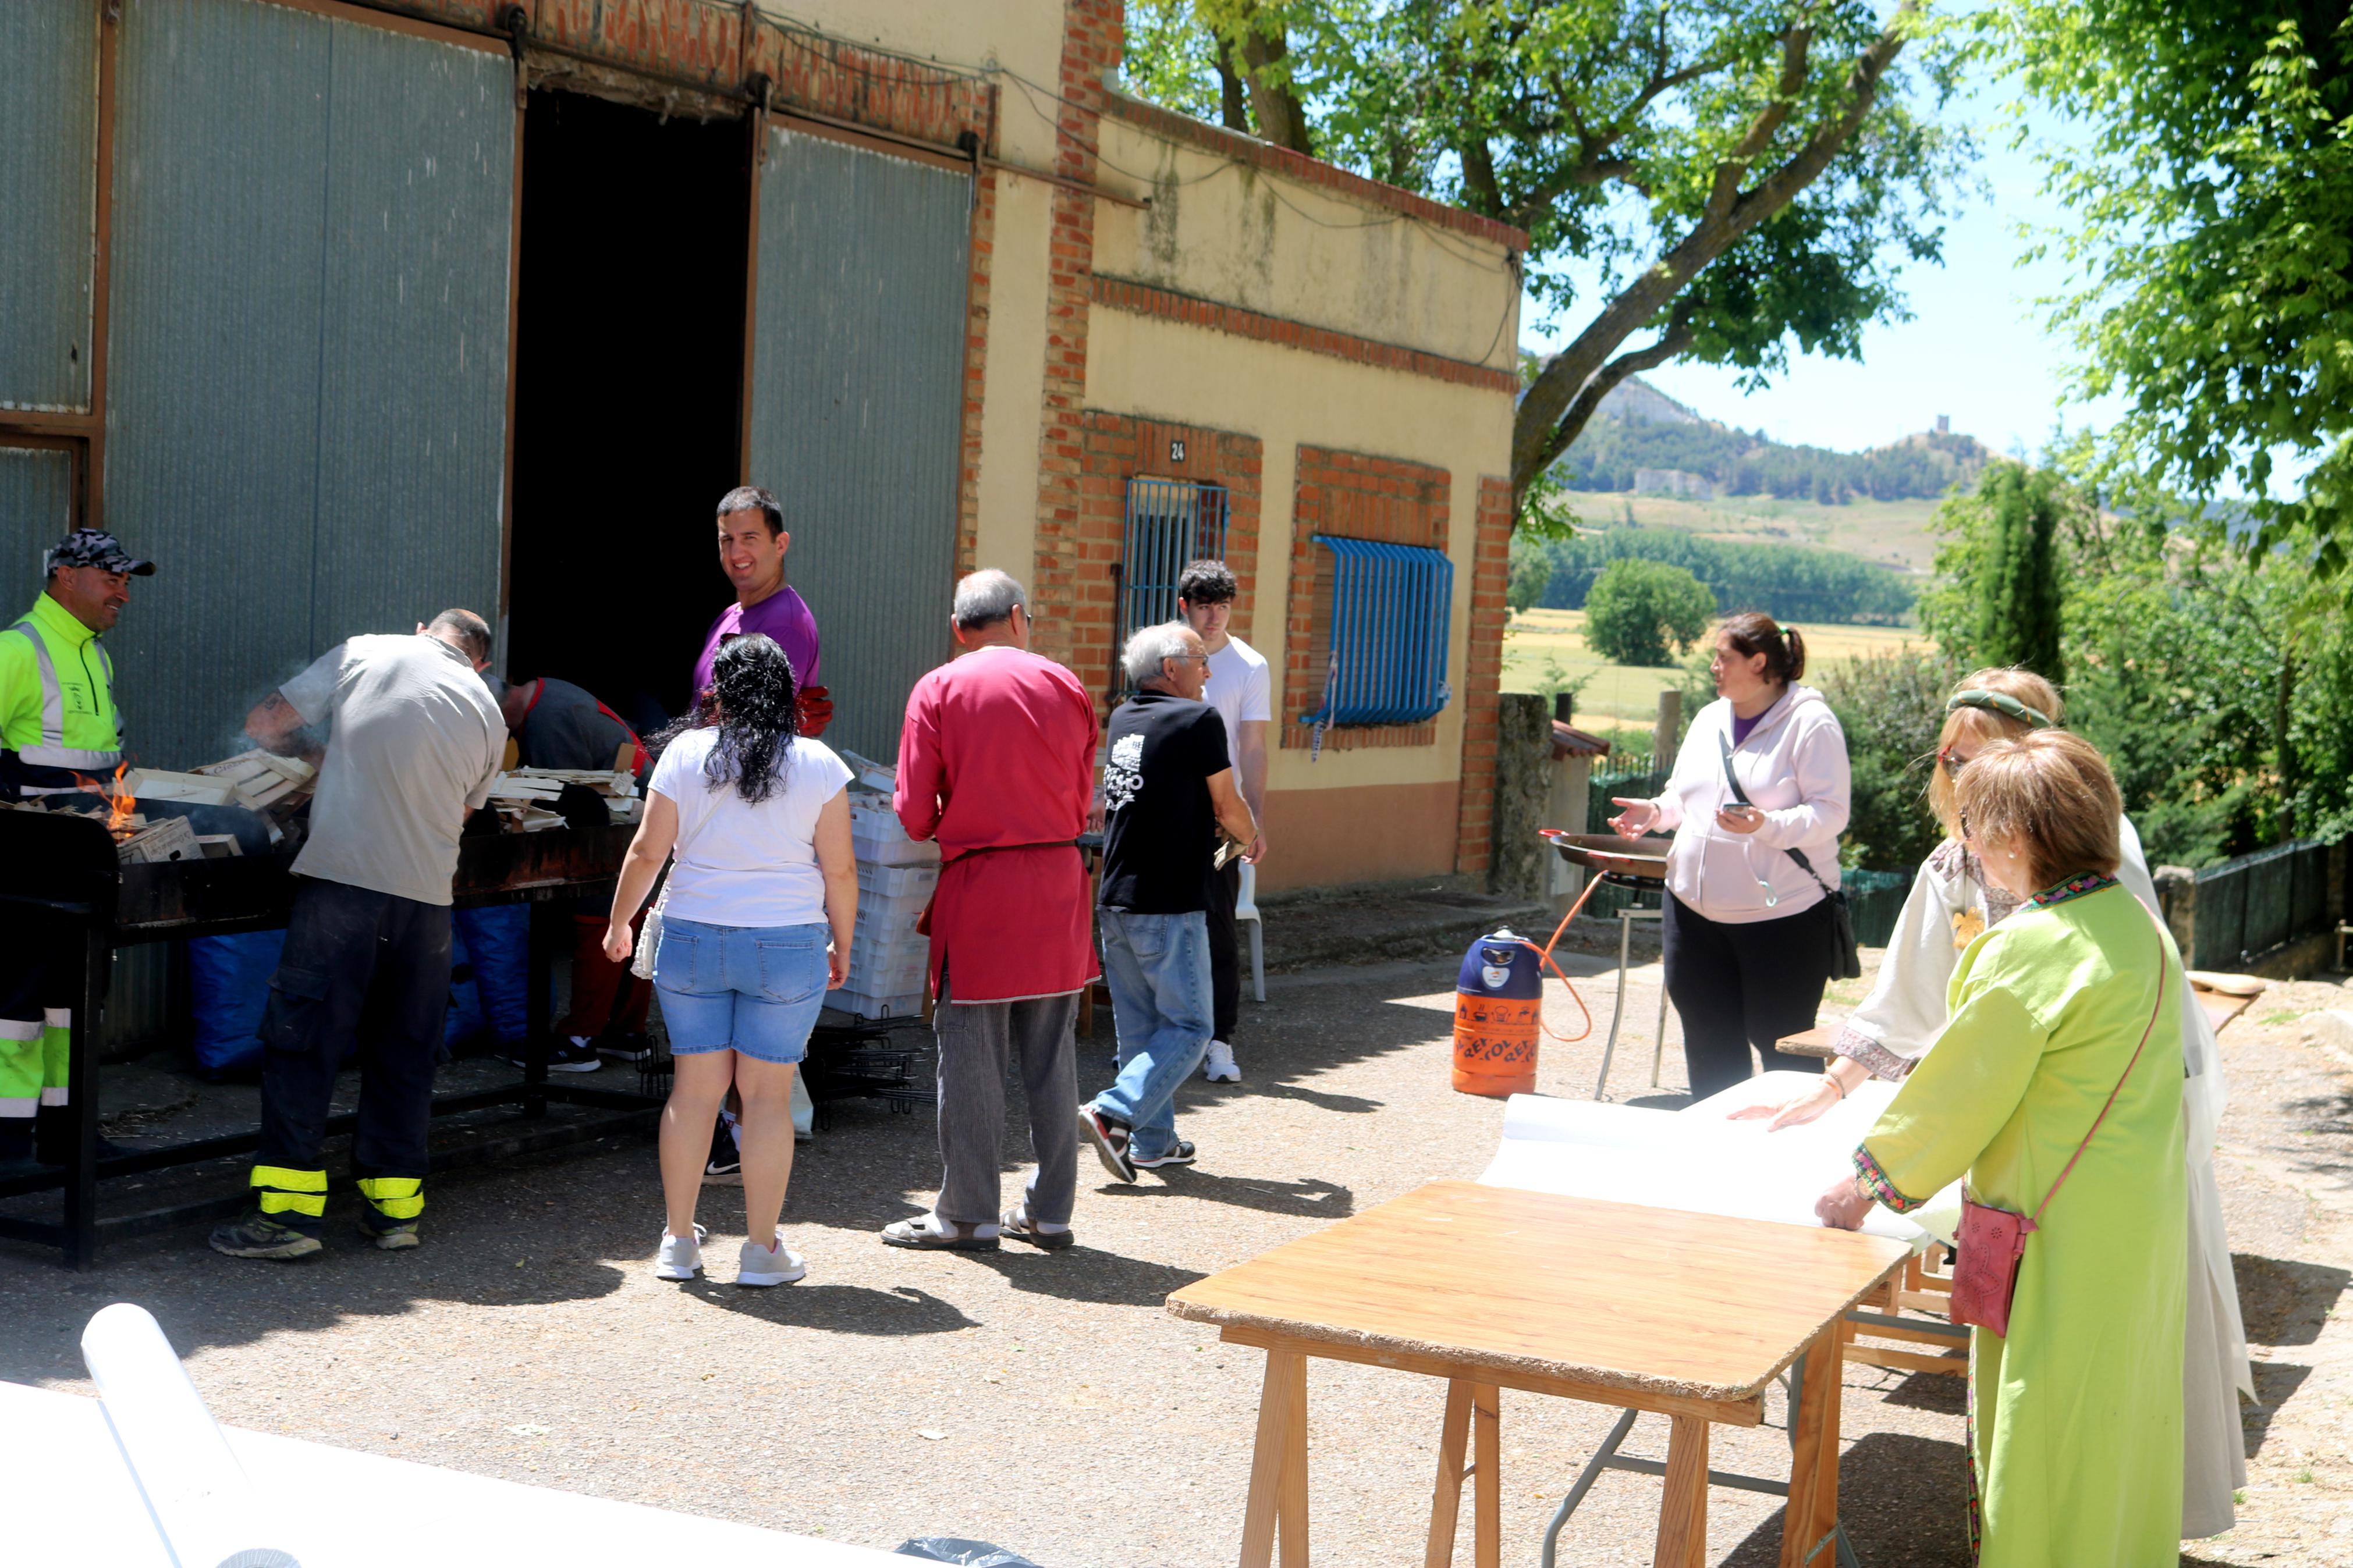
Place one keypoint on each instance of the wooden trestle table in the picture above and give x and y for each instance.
(1686, 1315)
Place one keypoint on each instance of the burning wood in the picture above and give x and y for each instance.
(522, 796)
(170, 839)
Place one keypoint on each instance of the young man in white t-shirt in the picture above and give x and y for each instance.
(1240, 691)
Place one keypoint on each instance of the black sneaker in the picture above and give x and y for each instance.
(635, 1049)
(726, 1166)
(258, 1236)
(566, 1056)
(1179, 1154)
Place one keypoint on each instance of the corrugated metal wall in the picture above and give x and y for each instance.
(48, 165)
(306, 428)
(35, 509)
(857, 388)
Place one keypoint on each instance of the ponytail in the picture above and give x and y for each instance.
(1753, 632)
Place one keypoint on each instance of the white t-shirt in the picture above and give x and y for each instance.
(414, 739)
(1237, 689)
(739, 863)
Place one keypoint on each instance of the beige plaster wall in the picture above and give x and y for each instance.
(1000, 38)
(1221, 229)
(1153, 368)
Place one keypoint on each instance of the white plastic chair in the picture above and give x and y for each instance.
(1246, 909)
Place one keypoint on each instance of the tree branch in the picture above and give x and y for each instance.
(1571, 424)
(1548, 419)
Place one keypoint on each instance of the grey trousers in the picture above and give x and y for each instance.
(978, 1043)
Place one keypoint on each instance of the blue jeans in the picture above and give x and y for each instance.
(1157, 967)
(754, 989)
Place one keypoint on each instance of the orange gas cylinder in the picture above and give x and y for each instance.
(1498, 1003)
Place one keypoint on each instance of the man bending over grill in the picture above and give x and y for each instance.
(412, 739)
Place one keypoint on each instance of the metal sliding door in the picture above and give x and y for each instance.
(49, 163)
(308, 371)
(857, 394)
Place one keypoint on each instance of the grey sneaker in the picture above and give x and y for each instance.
(777, 1265)
(258, 1236)
(680, 1257)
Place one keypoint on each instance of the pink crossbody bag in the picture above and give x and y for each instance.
(1992, 1241)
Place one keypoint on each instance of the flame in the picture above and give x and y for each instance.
(118, 817)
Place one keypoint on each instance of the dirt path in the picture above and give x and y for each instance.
(1045, 1401)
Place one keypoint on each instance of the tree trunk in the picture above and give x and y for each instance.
(1233, 106)
(1282, 118)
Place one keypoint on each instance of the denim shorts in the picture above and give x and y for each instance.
(753, 989)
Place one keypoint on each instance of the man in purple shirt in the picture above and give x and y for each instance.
(752, 545)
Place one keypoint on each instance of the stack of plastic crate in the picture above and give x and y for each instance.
(895, 880)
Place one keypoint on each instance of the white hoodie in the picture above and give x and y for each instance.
(1793, 767)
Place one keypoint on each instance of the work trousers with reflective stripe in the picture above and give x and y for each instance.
(361, 970)
(39, 964)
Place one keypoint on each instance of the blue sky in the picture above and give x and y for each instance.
(1975, 348)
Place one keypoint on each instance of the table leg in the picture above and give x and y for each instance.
(1683, 1509)
(1487, 1491)
(1618, 1003)
(1446, 1497)
(1278, 1486)
(1812, 1513)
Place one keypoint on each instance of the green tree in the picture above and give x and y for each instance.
(2017, 586)
(2211, 239)
(1638, 608)
(1737, 175)
(1531, 569)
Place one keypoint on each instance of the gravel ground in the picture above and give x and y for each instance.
(1047, 1401)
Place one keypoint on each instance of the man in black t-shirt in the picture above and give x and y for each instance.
(1168, 790)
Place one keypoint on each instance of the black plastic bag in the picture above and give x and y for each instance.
(963, 1553)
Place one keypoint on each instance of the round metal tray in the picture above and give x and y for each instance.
(1643, 859)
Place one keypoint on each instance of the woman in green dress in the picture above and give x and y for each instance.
(2076, 1416)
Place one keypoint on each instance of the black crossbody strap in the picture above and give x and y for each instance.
(1725, 743)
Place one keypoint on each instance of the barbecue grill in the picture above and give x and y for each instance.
(63, 866)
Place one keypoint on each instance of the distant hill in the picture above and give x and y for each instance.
(1643, 440)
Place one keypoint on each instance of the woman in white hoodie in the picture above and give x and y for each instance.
(1756, 801)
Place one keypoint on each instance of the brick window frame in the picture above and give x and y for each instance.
(1355, 496)
(1490, 570)
(1112, 449)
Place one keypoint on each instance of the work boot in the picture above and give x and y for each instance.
(258, 1236)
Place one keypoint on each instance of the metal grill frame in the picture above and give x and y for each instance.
(1166, 524)
(1391, 618)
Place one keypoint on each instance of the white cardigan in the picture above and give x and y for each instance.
(1950, 903)
(1793, 768)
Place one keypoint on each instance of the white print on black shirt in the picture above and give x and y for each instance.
(1123, 775)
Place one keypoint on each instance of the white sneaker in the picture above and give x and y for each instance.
(681, 1257)
(778, 1265)
(1219, 1066)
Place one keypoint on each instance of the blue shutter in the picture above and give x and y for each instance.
(1391, 611)
(1170, 523)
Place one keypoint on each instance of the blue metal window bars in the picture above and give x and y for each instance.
(1391, 610)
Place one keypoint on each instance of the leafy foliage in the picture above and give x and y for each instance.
(1788, 582)
(1638, 608)
(2219, 684)
(1891, 707)
(1531, 569)
(2016, 615)
(1739, 176)
(2211, 239)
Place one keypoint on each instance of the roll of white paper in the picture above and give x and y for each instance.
(203, 1506)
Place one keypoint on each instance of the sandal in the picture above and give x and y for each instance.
(1015, 1222)
(931, 1234)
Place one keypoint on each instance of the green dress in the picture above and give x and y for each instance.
(2076, 1416)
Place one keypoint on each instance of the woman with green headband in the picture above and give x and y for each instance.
(1952, 903)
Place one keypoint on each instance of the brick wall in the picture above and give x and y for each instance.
(1355, 497)
(1117, 447)
(1091, 46)
(976, 369)
(1482, 674)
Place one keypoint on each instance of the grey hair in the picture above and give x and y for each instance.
(1147, 648)
(986, 596)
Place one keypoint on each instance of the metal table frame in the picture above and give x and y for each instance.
(90, 898)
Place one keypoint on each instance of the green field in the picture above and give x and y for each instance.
(1626, 694)
(1892, 532)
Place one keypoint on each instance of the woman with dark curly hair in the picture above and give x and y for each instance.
(763, 901)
